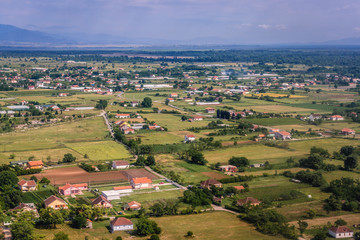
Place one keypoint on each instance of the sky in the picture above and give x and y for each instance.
(228, 21)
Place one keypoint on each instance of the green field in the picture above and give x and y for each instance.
(102, 150)
(275, 121)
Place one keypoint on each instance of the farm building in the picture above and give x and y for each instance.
(55, 203)
(312, 117)
(140, 183)
(120, 165)
(198, 118)
(189, 138)
(116, 194)
(121, 224)
(210, 182)
(341, 232)
(173, 95)
(248, 201)
(26, 186)
(210, 110)
(132, 206)
(73, 189)
(101, 201)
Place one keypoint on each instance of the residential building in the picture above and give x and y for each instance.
(248, 201)
(210, 182)
(210, 110)
(313, 116)
(24, 207)
(73, 189)
(101, 201)
(26, 186)
(341, 232)
(35, 164)
(336, 118)
(121, 224)
(189, 138)
(55, 203)
(170, 99)
(132, 206)
(140, 183)
(347, 131)
(123, 115)
(120, 165)
(239, 188)
(228, 168)
(283, 135)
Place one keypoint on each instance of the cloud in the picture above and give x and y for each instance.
(244, 25)
(265, 26)
(357, 29)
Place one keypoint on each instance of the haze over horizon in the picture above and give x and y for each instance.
(231, 21)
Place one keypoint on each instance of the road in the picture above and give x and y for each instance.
(219, 208)
(111, 130)
(166, 179)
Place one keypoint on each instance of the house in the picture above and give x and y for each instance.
(128, 130)
(197, 118)
(312, 117)
(117, 192)
(173, 95)
(283, 135)
(101, 201)
(210, 110)
(228, 168)
(55, 203)
(124, 115)
(26, 186)
(63, 94)
(248, 201)
(134, 103)
(336, 118)
(73, 189)
(140, 183)
(189, 138)
(239, 188)
(120, 165)
(35, 164)
(19, 163)
(341, 232)
(121, 224)
(210, 182)
(347, 131)
(170, 100)
(132, 206)
(257, 165)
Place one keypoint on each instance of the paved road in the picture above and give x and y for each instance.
(219, 208)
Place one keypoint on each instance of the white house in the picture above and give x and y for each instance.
(341, 232)
(283, 135)
(121, 224)
(116, 194)
(141, 183)
(336, 118)
(312, 117)
(189, 138)
(120, 165)
(125, 115)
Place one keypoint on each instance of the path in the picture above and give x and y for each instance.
(219, 208)
(166, 179)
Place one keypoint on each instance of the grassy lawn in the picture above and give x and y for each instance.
(208, 226)
(155, 137)
(330, 176)
(102, 150)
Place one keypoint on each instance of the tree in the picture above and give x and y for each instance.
(347, 150)
(118, 238)
(350, 162)
(150, 161)
(61, 236)
(189, 234)
(146, 103)
(340, 222)
(50, 217)
(154, 237)
(79, 222)
(22, 230)
(34, 178)
(45, 180)
(302, 226)
(102, 104)
(68, 157)
(145, 226)
(239, 161)
(197, 157)
(8, 178)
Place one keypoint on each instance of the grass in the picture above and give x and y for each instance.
(275, 121)
(155, 137)
(102, 150)
(208, 226)
(330, 176)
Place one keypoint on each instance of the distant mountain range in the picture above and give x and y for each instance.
(18, 37)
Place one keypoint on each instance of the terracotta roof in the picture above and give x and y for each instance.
(80, 185)
(284, 133)
(121, 221)
(53, 198)
(124, 114)
(22, 206)
(122, 188)
(35, 163)
(100, 199)
(239, 187)
(142, 180)
(133, 203)
(210, 182)
(30, 183)
(340, 229)
(121, 163)
(66, 186)
(190, 136)
(347, 130)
